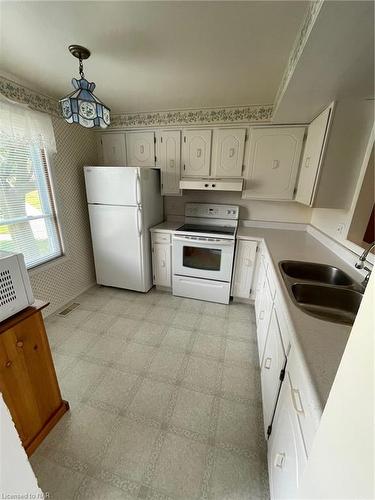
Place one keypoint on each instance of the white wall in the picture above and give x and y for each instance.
(17, 478)
(249, 209)
(341, 463)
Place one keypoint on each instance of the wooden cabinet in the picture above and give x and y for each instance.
(312, 157)
(169, 161)
(113, 149)
(286, 453)
(161, 259)
(196, 152)
(27, 376)
(227, 152)
(140, 149)
(244, 266)
(271, 373)
(274, 157)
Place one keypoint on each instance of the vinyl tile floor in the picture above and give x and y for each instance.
(165, 401)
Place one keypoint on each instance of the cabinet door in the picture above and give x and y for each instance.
(140, 149)
(312, 157)
(113, 149)
(274, 156)
(196, 153)
(259, 287)
(169, 159)
(244, 268)
(286, 454)
(161, 260)
(263, 318)
(227, 152)
(273, 362)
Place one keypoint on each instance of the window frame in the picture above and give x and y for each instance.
(55, 213)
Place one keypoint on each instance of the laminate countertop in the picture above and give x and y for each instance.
(321, 343)
(167, 227)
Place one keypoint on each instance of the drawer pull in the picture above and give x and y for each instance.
(261, 315)
(279, 460)
(297, 403)
(267, 363)
(19, 343)
(8, 364)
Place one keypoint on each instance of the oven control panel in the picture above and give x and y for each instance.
(208, 210)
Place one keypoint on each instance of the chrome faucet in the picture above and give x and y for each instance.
(361, 263)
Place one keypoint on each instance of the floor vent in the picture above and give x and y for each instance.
(69, 309)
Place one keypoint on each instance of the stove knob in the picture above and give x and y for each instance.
(206, 185)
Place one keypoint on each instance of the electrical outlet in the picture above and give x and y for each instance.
(340, 228)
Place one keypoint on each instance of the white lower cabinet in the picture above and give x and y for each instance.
(286, 453)
(162, 259)
(244, 267)
(272, 371)
(262, 317)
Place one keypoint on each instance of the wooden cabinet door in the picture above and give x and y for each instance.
(274, 360)
(274, 157)
(196, 153)
(140, 149)
(161, 261)
(17, 388)
(244, 268)
(113, 149)
(312, 157)
(227, 152)
(169, 160)
(286, 453)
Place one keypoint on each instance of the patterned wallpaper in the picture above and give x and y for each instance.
(60, 281)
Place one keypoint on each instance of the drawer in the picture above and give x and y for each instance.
(161, 238)
(304, 401)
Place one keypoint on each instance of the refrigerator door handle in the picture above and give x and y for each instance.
(137, 189)
(139, 221)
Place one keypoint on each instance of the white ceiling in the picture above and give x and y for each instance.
(154, 55)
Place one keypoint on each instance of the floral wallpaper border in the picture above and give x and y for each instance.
(243, 114)
(299, 44)
(37, 101)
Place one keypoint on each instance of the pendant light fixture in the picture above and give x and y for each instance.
(81, 106)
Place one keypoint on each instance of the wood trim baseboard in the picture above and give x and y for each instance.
(49, 425)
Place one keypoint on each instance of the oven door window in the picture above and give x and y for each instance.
(208, 259)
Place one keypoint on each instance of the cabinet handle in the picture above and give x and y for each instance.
(199, 152)
(19, 343)
(261, 315)
(249, 262)
(141, 149)
(231, 152)
(275, 164)
(163, 263)
(297, 403)
(279, 460)
(267, 363)
(8, 364)
(307, 161)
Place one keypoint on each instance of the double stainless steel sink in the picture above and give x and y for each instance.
(323, 291)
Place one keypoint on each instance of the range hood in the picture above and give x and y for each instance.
(212, 184)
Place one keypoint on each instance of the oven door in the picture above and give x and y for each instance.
(209, 258)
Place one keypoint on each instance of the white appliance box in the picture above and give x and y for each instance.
(15, 288)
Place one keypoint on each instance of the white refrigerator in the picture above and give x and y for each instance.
(123, 203)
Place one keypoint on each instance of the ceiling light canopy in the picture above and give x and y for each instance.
(81, 106)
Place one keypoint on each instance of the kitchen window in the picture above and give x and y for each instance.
(28, 220)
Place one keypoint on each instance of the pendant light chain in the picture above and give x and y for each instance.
(81, 68)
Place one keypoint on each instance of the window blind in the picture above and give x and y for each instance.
(28, 222)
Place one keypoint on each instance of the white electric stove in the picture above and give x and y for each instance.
(203, 252)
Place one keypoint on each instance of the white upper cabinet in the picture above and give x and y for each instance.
(196, 152)
(140, 149)
(312, 157)
(227, 152)
(113, 149)
(274, 157)
(244, 268)
(169, 160)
